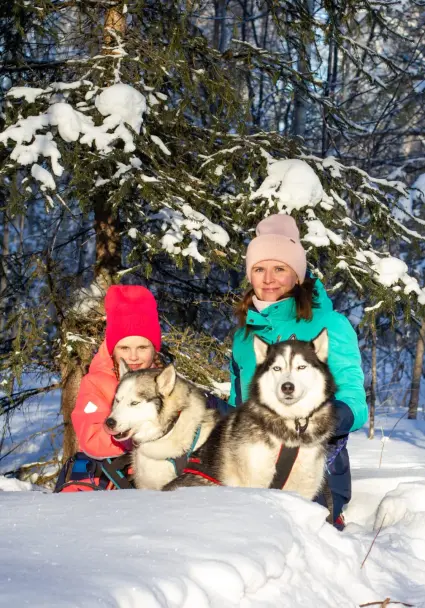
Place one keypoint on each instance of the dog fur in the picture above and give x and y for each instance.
(160, 412)
(292, 387)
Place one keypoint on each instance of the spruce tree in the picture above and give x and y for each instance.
(144, 137)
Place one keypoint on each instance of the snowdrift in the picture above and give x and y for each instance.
(202, 547)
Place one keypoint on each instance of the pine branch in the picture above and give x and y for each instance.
(27, 64)
(8, 403)
(22, 443)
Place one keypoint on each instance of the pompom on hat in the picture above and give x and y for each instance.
(278, 238)
(131, 310)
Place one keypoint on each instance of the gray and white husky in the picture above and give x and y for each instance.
(289, 405)
(165, 416)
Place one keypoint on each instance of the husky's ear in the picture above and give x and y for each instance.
(123, 368)
(166, 380)
(321, 345)
(260, 349)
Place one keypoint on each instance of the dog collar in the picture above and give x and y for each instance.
(301, 427)
(169, 428)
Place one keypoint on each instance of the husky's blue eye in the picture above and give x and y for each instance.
(301, 366)
(277, 368)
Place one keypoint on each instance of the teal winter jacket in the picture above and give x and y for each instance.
(277, 323)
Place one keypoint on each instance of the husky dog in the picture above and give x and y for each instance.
(289, 406)
(165, 416)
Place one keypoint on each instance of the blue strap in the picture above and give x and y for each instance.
(80, 466)
(195, 441)
(192, 447)
(334, 450)
(124, 484)
(173, 462)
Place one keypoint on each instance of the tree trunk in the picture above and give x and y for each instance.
(108, 243)
(114, 23)
(325, 137)
(72, 372)
(330, 85)
(373, 385)
(71, 379)
(81, 254)
(264, 36)
(219, 35)
(299, 115)
(417, 374)
(108, 262)
(3, 273)
(107, 225)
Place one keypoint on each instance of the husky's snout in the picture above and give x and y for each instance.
(288, 389)
(111, 423)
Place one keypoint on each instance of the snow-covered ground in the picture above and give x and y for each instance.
(223, 547)
(33, 434)
(396, 454)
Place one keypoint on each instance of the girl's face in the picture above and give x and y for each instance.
(136, 351)
(272, 280)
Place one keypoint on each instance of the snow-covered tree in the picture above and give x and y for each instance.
(145, 136)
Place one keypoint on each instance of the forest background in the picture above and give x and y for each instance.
(141, 142)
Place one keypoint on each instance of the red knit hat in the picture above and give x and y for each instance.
(131, 311)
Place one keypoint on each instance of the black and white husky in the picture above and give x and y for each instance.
(289, 406)
(165, 416)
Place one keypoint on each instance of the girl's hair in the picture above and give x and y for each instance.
(304, 296)
(157, 362)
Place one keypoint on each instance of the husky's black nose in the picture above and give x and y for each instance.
(287, 389)
(111, 423)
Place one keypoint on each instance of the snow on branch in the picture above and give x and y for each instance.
(177, 224)
(119, 104)
(292, 183)
(293, 186)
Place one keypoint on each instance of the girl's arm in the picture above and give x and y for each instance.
(88, 418)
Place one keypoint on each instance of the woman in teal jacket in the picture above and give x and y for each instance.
(284, 303)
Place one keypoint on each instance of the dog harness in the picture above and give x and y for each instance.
(196, 468)
(284, 463)
(180, 462)
(83, 472)
(110, 473)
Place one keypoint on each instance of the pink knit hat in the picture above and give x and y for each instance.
(278, 238)
(131, 311)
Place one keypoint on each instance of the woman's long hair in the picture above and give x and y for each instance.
(304, 296)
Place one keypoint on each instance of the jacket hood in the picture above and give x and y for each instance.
(323, 300)
(102, 362)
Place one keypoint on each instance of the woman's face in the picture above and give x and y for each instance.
(272, 280)
(136, 351)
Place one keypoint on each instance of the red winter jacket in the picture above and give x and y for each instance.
(93, 406)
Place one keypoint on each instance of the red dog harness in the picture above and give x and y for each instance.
(196, 469)
(284, 464)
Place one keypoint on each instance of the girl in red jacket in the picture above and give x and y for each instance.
(133, 333)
